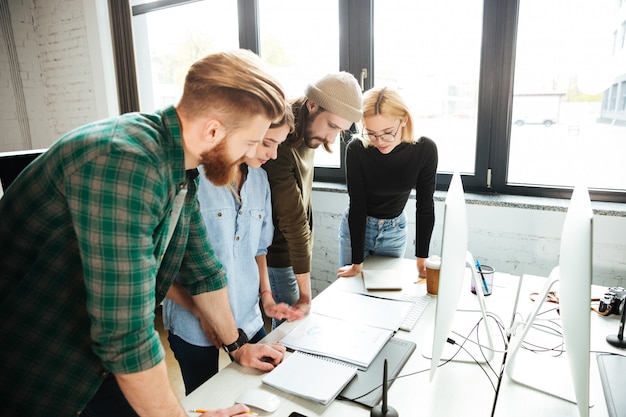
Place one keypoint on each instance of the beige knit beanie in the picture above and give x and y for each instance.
(339, 94)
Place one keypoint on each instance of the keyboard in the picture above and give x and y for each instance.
(419, 305)
(613, 377)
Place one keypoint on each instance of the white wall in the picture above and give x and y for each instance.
(62, 82)
(518, 240)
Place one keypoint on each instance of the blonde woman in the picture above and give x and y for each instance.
(383, 165)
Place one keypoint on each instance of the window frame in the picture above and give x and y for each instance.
(495, 96)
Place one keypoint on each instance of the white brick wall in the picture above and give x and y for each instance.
(513, 240)
(56, 74)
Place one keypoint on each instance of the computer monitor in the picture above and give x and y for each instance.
(12, 163)
(565, 376)
(454, 259)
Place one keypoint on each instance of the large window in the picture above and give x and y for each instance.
(299, 41)
(562, 66)
(434, 62)
(522, 97)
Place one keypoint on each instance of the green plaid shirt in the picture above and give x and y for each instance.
(82, 262)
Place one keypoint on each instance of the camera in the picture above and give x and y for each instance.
(612, 300)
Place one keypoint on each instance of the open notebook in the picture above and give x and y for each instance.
(309, 376)
(347, 341)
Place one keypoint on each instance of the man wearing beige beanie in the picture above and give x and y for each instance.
(330, 105)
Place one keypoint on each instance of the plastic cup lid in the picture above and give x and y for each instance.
(433, 262)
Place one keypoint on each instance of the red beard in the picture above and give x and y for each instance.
(217, 167)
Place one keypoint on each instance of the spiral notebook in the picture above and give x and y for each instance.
(351, 342)
(310, 376)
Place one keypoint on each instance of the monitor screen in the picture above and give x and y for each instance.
(12, 163)
(452, 272)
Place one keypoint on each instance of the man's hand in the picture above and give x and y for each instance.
(234, 411)
(282, 311)
(349, 270)
(261, 356)
(303, 306)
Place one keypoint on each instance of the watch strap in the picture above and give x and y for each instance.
(241, 340)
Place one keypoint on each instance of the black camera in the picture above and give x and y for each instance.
(613, 300)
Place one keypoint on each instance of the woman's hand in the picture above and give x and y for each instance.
(349, 270)
(421, 267)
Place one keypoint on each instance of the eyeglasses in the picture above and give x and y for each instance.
(385, 137)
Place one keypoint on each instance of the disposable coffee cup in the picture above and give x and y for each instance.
(485, 278)
(433, 264)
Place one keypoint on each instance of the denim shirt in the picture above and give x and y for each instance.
(238, 233)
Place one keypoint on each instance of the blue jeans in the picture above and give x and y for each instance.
(198, 363)
(109, 401)
(284, 287)
(384, 237)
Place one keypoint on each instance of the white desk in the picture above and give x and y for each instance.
(458, 388)
(519, 400)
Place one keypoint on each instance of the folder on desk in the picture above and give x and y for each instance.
(312, 377)
(382, 279)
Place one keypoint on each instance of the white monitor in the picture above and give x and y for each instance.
(558, 376)
(454, 259)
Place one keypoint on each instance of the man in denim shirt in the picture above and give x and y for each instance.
(239, 220)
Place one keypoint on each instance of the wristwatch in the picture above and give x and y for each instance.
(241, 340)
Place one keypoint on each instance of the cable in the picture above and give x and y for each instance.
(452, 342)
(478, 363)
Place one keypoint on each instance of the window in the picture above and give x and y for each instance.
(557, 133)
(300, 42)
(434, 63)
(169, 39)
(522, 97)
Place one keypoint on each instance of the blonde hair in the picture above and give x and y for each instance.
(386, 102)
(233, 86)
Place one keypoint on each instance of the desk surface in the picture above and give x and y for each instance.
(455, 385)
(519, 400)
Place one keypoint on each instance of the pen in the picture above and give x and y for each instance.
(482, 276)
(198, 410)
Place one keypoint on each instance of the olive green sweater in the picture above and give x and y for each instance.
(291, 182)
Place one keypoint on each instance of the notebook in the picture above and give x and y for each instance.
(339, 339)
(310, 376)
(397, 352)
(363, 309)
(613, 376)
(382, 279)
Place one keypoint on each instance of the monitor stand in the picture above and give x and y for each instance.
(467, 319)
(549, 374)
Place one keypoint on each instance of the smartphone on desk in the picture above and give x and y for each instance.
(296, 414)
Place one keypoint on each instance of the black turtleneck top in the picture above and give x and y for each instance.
(379, 186)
